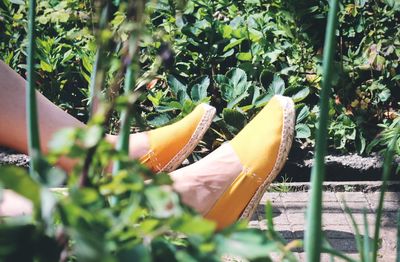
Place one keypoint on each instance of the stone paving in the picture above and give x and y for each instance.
(289, 219)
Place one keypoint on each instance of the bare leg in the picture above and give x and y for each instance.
(203, 182)
(199, 184)
(51, 118)
(205, 177)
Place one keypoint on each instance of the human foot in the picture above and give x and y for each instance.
(165, 148)
(229, 183)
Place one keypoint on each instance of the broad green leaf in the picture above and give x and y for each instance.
(63, 140)
(199, 90)
(45, 66)
(273, 56)
(384, 95)
(226, 31)
(176, 85)
(137, 253)
(244, 56)
(249, 244)
(18, 180)
(301, 95)
(156, 119)
(163, 202)
(304, 112)
(234, 119)
(277, 86)
(196, 226)
(302, 131)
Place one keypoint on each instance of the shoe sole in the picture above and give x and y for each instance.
(284, 148)
(197, 135)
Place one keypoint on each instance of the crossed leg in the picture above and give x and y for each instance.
(200, 184)
(51, 119)
(221, 186)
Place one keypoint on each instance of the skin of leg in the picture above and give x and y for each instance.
(200, 184)
(13, 204)
(51, 119)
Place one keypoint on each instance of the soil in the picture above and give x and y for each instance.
(10, 157)
(339, 167)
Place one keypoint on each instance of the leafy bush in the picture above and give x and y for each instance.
(275, 48)
(65, 49)
(278, 46)
(119, 216)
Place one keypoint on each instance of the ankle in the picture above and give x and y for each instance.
(138, 144)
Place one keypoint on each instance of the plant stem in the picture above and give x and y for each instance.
(313, 236)
(387, 168)
(123, 138)
(98, 75)
(31, 108)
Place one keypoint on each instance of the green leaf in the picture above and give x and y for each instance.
(199, 90)
(384, 95)
(17, 2)
(304, 112)
(302, 131)
(45, 66)
(244, 56)
(301, 95)
(237, 78)
(226, 31)
(137, 253)
(196, 226)
(273, 56)
(233, 44)
(249, 244)
(234, 119)
(157, 120)
(63, 140)
(18, 180)
(277, 86)
(92, 135)
(163, 202)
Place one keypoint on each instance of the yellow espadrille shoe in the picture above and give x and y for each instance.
(262, 148)
(170, 145)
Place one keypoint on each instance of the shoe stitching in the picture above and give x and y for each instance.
(202, 126)
(253, 176)
(286, 142)
(153, 160)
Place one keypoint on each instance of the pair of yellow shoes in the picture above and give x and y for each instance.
(262, 148)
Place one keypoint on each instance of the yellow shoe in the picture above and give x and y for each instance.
(170, 145)
(262, 148)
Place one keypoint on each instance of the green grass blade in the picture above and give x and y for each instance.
(335, 253)
(366, 243)
(358, 235)
(313, 236)
(387, 169)
(31, 107)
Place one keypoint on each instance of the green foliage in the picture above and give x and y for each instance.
(65, 48)
(265, 49)
(275, 47)
(148, 221)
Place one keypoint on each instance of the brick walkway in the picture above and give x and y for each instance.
(289, 219)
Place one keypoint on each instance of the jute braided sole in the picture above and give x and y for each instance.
(197, 135)
(284, 148)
